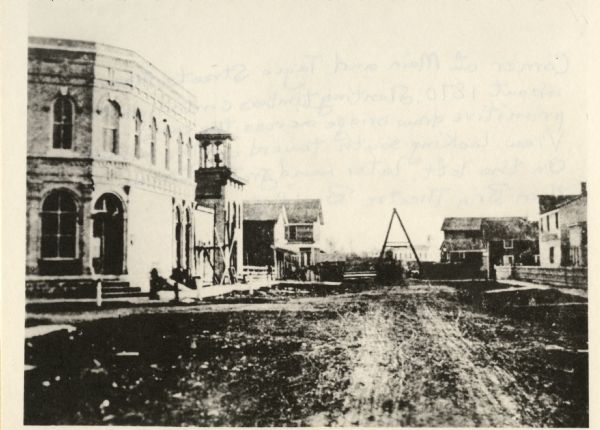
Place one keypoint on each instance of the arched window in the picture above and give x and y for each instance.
(180, 154)
(62, 135)
(153, 129)
(111, 113)
(59, 226)
(137, 134)
(189, 158)
(167, 143)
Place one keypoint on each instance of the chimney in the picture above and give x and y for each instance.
(583, 189)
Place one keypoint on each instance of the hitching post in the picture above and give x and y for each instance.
(99, 293)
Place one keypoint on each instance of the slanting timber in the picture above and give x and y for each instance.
(387, 235)
(309, 283)
(41, 330)
(408, 238)
(517, 289)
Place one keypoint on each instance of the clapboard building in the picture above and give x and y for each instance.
(483, 243)
(283, 233)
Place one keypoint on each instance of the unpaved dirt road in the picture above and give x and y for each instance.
(396, 356)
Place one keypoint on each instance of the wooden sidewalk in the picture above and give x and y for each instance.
(514, 286)
(250, 287)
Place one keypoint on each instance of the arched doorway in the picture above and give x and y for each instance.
(109, 229)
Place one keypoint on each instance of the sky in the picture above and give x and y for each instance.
(436, 108)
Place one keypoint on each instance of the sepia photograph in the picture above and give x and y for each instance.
(312, 214)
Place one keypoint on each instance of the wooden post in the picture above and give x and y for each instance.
(214, 250)
(99, 293)
(177, 292)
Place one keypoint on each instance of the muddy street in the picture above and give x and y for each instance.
(395, 356)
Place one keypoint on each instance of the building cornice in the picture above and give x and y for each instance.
(97, 48)
(103, 51)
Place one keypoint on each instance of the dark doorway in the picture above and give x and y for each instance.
(178, 238)
(108, 227)
(188, 242)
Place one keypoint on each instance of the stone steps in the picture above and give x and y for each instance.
(120, 289)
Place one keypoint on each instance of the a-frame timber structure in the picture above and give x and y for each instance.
(387, 245)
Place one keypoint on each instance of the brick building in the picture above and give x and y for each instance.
(563, 229)
(111, 157)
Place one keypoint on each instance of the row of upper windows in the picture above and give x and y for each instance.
(549, 222)
(62, 137)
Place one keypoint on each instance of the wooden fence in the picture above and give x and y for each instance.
(367, 274)
(255, 272)
(450, 271)
(568, 277)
